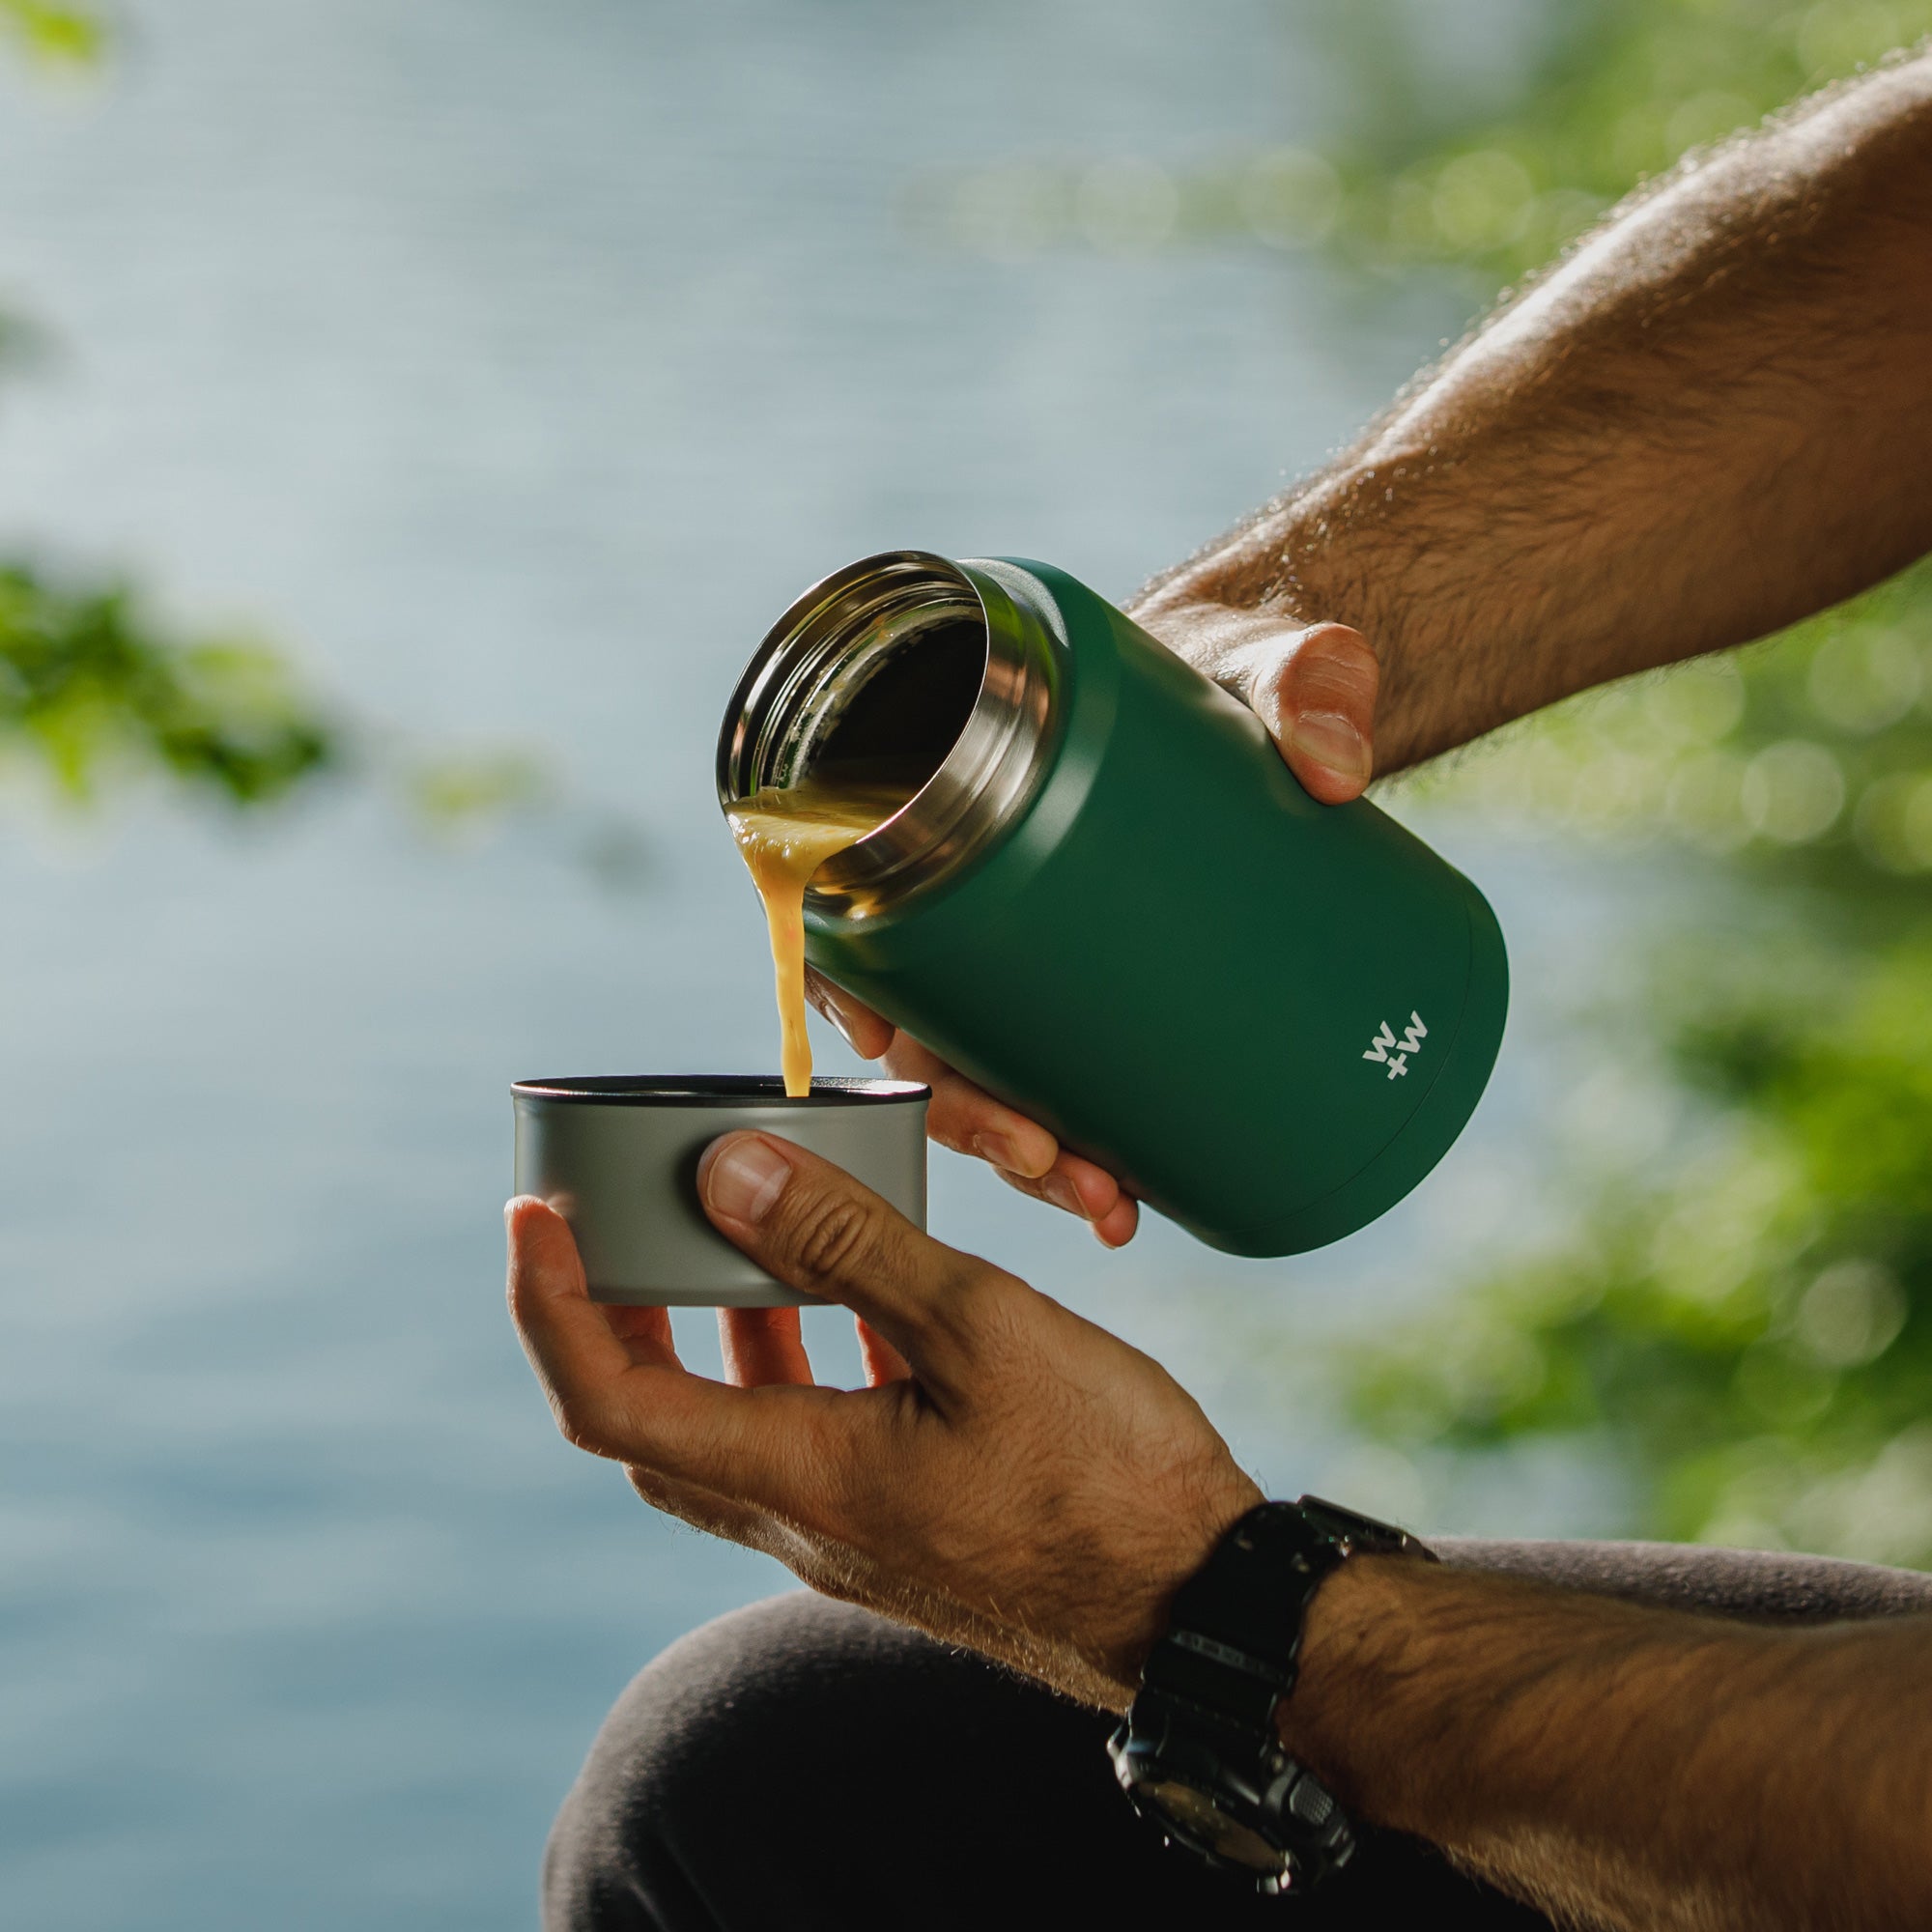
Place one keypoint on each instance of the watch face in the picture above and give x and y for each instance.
(1196, 1817)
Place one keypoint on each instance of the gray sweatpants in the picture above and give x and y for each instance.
(803, 1764)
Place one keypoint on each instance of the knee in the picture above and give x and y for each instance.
(670, 1786)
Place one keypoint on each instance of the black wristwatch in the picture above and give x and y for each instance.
(1198, 1755)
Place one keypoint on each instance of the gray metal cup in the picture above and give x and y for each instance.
(616, 1155)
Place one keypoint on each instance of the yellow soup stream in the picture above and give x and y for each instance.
(786, 836)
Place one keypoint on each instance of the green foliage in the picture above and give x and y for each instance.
(91, 689)
(1743, 1323)
(1807, 761)
(62, 35)
(1620, 89)
(453, 793)
(53, 36)
(1417, 177)
(1743, 1326)
(94, 696)
(1751, 1337)
(95, 693)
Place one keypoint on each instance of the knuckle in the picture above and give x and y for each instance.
(1004, 1309)
(833, 1235)
(1345, 643)
(985, 1311)
(1331, 673)
(581, 1424)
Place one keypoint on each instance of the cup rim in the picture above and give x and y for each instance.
(715, 1090)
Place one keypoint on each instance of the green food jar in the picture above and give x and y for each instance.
(1109, 901)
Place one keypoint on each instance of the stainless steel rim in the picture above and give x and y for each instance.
(713, 1091)
(830, 644)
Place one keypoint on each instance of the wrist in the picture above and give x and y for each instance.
(1200, 1755)
(1354, 1637)
(1183, 1557)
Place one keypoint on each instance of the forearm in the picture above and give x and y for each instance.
(1628, 1766)
(1709, 421)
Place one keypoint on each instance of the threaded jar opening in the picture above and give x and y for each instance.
(904, 671)
(903, 711)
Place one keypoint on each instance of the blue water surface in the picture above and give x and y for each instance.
(513, 365)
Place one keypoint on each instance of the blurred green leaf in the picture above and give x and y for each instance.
(1742, 1324)
(1742, 1327)
(1618, 90)
(94, 692)
(457, 793)
(1765, 1311)
(1420, 177)
(64, 34)
(91, 688)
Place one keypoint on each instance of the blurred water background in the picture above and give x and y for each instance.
(513, 366)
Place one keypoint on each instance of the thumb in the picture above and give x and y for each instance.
(1313, 686)
(1315, 689)
(816, 1229)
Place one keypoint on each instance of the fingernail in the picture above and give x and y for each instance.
(997, 1149)
(838, 1019)
(1062, 1193)
(1327, 738)
(742, 1177)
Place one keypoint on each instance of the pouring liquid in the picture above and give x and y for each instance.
(784, 836)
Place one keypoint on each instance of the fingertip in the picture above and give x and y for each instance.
(531, 1222)
(1016, 1146)
(1058, 1191)
(1096, 1190)
(740, 1176)
(880, 1360)
(1326, 781)
(1329, 754)
(705, 1159)
(863, 1031)
(543, 1252)
(1321, 705)
(968, 1121)
(1117, 1226)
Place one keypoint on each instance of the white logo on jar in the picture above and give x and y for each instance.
(1394, 1055)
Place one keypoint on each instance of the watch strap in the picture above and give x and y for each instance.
(1199, 1754)
(1233, 1641)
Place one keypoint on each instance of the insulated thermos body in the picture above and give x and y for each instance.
(1111, 904)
